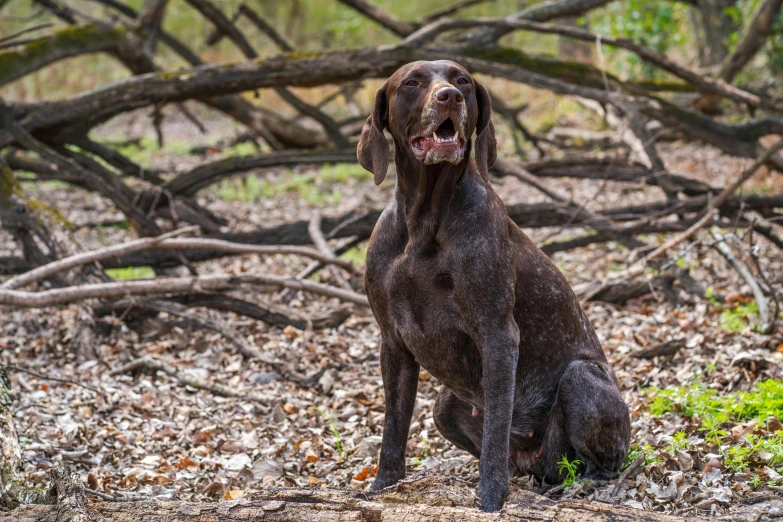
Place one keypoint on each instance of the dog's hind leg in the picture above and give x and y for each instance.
(456, 421)
(590, 422)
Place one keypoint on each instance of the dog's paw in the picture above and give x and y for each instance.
(491, 497)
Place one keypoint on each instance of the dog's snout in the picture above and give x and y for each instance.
(449, 95)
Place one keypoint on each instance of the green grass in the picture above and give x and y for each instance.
(313, 187)
(130, 273)
(716, 413)
(336, 432)
(697, 400)
(738, 318)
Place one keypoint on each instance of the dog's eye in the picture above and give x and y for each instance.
(462, 81)
(411, 83)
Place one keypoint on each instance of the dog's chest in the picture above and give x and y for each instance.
(421, 307)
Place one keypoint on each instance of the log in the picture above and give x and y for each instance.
(525, 215)
(426, 497)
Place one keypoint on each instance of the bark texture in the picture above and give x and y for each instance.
(427, 498)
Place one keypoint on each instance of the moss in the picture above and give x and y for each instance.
(9, 185)
(576, 72)
(71, 41)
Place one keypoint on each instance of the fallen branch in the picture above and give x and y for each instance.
(767, 323)
(639, 266)
(314, 229)
(166, 242)
(425, 497)
(245, 348)
(167, 285)
(268, 313)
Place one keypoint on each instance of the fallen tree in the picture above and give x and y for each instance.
(425, 497)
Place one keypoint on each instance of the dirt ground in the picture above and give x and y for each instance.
(149, 435)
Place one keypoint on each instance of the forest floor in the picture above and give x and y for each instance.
(705, 448)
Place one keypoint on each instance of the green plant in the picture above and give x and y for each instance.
(131, 272)
(335, 431)
(711, 426)
(738, 318)
(679, 442)
(569, 468)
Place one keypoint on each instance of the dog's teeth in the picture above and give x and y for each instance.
(435, 137)
(456, 136)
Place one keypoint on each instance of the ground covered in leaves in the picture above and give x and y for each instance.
(706, 434)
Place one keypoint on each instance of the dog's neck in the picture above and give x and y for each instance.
(425, 191)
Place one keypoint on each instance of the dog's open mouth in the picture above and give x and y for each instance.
(445, 137)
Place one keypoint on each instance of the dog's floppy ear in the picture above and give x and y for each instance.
(373, 149)
(486, 146)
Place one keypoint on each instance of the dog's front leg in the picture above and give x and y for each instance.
(500, 351)
(400, 373)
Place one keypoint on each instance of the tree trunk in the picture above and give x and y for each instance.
(712, 27)
(427, 497)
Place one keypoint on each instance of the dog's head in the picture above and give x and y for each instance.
(431, 109)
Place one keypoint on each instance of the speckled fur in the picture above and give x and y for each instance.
(460, 290)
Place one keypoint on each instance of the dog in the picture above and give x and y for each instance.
(459, 289)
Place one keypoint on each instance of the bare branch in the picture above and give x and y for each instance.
(382, 17)
(427, 34)
(165, 242)
(265, 28)
(173, 285)
(721, 246)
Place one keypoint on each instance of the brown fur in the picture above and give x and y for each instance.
(459, 289)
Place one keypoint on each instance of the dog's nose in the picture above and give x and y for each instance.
(447, 95)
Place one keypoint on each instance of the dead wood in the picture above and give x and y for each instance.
(317, 235)
(426, 497)
(660, 349)
(753, 38)
(536, 215)
(711, 211)
(167, 242)
(167, 285)
(766, 326)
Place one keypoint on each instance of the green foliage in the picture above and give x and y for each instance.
(335, 431)
(718, 411)
(313, 187)
(738, 318)
(130, 273)
(711, 426)
(569, 468)
(646, 451)
(679, 442)
(654, 24)
(697, 400)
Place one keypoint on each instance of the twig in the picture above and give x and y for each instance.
(84, 258)
(630, 469)
(167, 285)
(639, 265)
(119, 496)
(10, 37)
(314, 229)
(56, 379)
(245, 348)
(754, 256)
(720, 245)
(166, 242)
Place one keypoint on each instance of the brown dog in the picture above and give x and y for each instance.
(458, 288)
